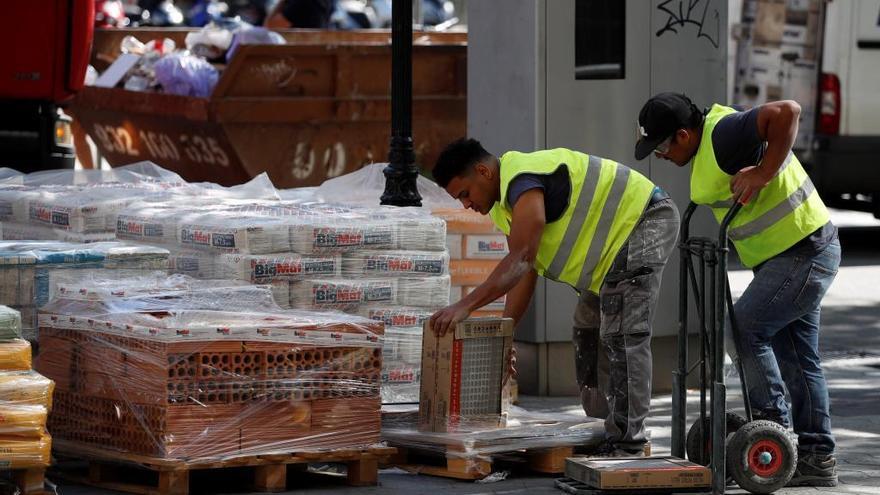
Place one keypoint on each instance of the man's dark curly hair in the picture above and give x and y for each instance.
(458, 158)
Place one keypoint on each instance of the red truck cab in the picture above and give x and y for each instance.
(47, 46)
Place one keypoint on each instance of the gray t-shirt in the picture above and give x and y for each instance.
(737, 145)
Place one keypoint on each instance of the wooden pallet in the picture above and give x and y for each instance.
(469, 466)
(31, 481)
(107, 469)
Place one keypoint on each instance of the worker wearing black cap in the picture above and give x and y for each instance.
(783, 233)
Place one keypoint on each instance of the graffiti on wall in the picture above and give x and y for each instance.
(682, 13)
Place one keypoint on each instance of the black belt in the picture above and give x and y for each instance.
(657, 196)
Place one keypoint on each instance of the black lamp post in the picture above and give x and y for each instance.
(401, 172)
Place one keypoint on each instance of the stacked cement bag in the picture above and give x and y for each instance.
(401, 350)
(25, 400)
(30, 269)
(69, 212)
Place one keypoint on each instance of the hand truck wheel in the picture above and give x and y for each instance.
(761, 457)
(699, 445)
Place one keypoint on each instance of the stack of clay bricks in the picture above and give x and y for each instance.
(25, 399)
(475, 248)
(193, 384)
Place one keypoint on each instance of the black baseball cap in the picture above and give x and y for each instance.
(661, 117)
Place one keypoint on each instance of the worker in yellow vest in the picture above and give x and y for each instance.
(593, 224)
(783, 233)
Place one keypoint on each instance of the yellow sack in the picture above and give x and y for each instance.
(26, 387)
(22, 420)
(15, 355)
(20, 453)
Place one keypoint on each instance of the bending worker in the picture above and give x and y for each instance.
(593, 224)
(783, 233)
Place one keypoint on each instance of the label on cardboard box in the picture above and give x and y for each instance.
(489, 247)
(473, 328)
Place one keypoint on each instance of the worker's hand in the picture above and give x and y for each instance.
(511, 366)
(445, 320)
(746, 184)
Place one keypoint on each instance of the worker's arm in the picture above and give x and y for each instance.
(526, 227)
(778, 126)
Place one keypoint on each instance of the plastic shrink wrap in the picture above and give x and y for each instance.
(10, 323)
(475, 444)
(182, 369)
(29, 269)
(25, 399)
(401, 351)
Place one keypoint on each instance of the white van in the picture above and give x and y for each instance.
(780, 49)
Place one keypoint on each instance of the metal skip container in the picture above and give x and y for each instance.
(306, 111)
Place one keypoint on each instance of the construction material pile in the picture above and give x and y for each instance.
(176, 368)
(315, 256)
(25, 400)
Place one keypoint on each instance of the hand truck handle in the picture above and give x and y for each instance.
(725, 223)
(686, 222)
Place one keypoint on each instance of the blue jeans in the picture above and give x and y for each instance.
(778, 320)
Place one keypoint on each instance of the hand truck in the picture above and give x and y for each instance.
(758, 454)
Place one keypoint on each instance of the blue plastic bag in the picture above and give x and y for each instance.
(186, 75)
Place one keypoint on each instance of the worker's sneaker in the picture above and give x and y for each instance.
(815, 470)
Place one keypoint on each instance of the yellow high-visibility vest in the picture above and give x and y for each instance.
(785, 211)
(606, 201)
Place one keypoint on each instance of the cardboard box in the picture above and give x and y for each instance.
(456, 292)
(485, 247)
(637, 472)
(488, 313)
(454, 243)
(461, 221)
(471, 272)
(462, 376)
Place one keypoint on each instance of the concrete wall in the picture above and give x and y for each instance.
(523, 95)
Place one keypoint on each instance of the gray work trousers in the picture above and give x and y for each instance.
(612, 330)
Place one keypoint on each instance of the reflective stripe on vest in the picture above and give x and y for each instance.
(728, 203)
(774, 214)
(581, 209)
(604, 226)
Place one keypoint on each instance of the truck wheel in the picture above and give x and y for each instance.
(761, 457)
(699, 449)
